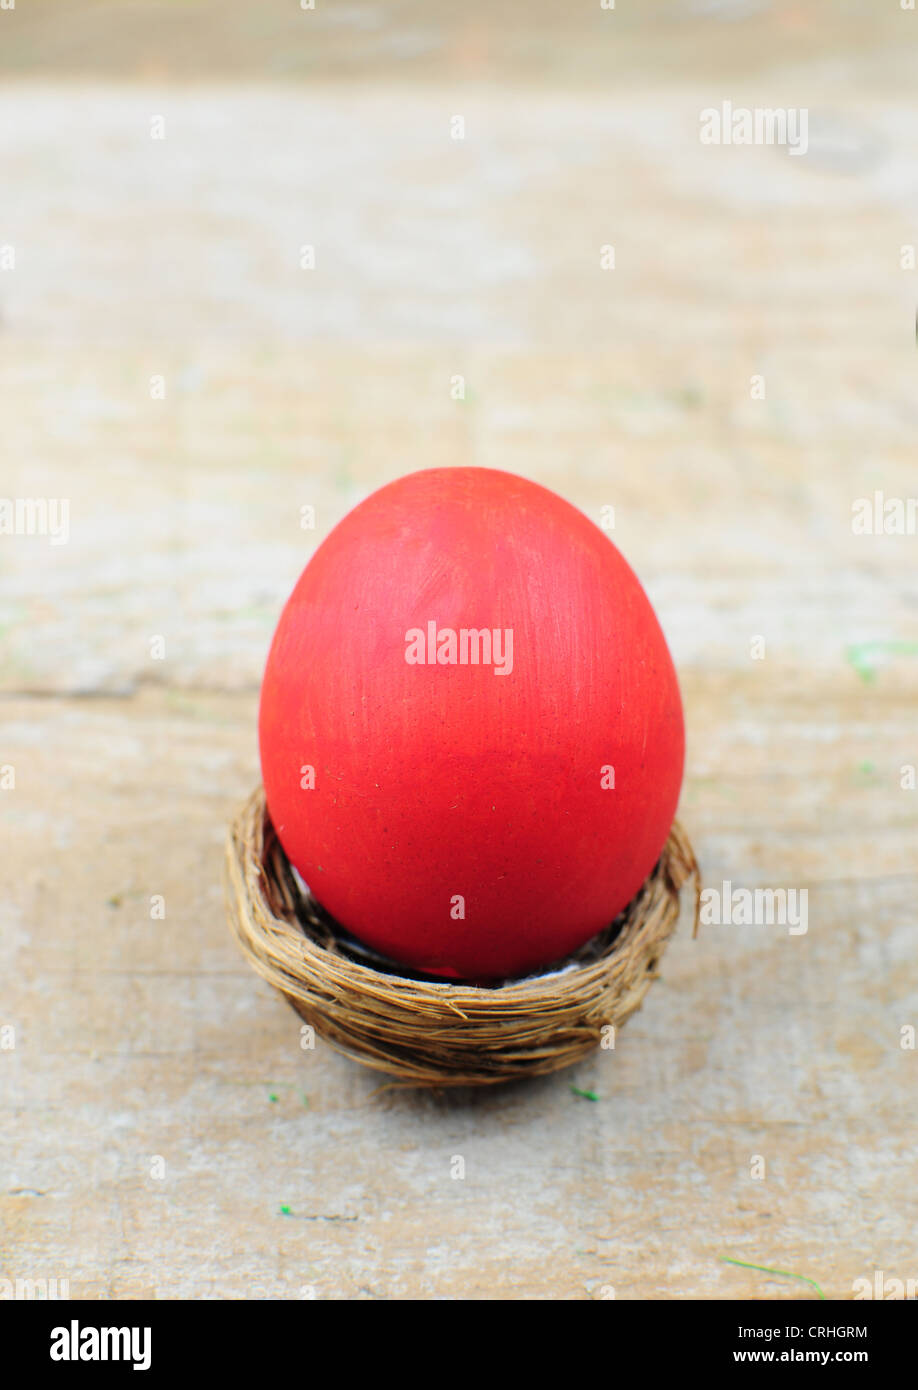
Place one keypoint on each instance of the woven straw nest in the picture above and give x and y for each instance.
(428, 1032)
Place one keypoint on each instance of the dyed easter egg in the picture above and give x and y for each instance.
(471, 731)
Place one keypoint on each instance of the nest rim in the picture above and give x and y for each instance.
(425, 1031)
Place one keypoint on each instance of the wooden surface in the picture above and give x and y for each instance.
(288, 1173)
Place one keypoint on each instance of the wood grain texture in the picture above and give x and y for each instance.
(135, 1037)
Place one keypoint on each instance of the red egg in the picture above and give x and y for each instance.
(471, 731)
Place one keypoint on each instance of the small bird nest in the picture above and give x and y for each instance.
(425, 1031)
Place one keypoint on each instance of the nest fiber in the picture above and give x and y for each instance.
(428, 1032)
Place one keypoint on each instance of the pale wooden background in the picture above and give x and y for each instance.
(134, 258)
